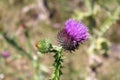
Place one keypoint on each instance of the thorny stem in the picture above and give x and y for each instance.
(45, 47)
(57, 65)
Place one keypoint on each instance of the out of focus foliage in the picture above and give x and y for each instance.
(99, 16)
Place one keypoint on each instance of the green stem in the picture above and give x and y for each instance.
(16, 46)
(28, 43)
(45, 47)
(57, 65)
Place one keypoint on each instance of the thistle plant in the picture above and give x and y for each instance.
(69, 38)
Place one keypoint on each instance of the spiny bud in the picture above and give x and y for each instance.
(44, 46)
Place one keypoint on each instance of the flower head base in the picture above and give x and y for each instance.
(66, 41)
(72, 35)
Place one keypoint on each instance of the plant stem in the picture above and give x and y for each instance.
(57, 65)
(16, 46)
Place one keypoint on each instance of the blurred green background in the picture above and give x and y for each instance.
(24, 22)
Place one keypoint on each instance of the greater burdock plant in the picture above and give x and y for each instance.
(69, 38)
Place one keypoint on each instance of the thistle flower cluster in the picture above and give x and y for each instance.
(73, 34)
(70, 37)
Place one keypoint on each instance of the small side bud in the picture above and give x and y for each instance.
(44, 46)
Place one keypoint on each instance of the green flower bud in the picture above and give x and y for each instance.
(44, 46)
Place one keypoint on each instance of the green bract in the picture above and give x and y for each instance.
(44, 46)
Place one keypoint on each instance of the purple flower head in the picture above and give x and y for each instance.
(77, 30)
(72, 35)
(5, 54)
